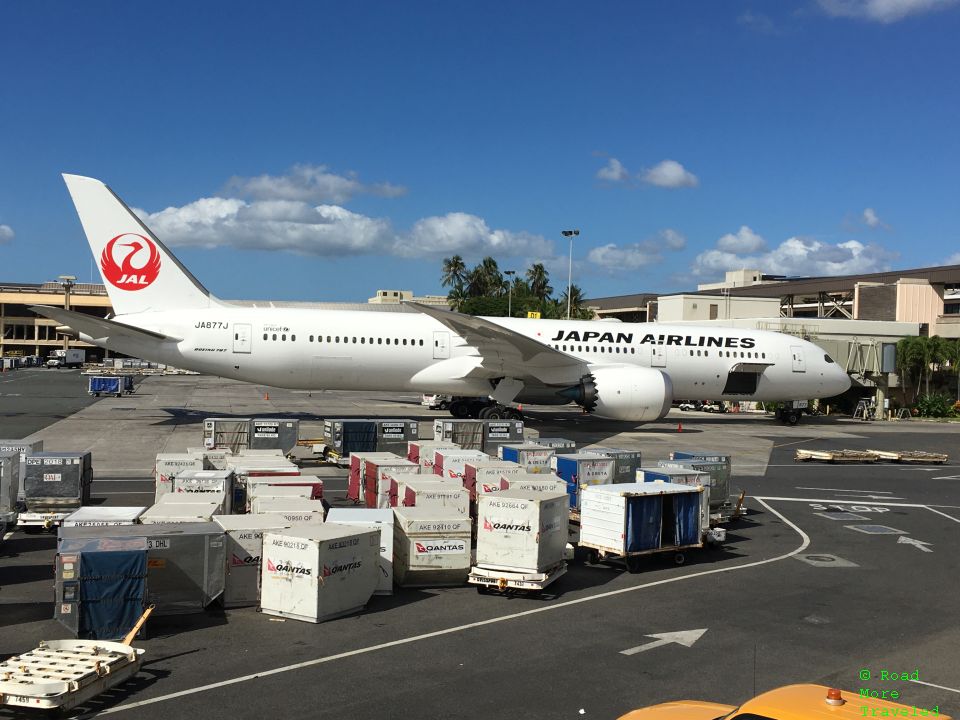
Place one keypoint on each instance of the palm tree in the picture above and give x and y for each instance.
(454, 272)
(539, 281)
(576, 303)
(492, 277)
(457, 296)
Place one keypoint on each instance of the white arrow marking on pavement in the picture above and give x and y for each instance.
(904, 540)
(685, 637)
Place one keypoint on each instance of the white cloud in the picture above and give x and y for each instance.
(871, 219)
(330, 230)
(758, 22)
(669, 174)
(953, 259)
(613, 171)
(744, 241)
(466, 234)
(6, 234)
(798, 256)
(882, 11)
(612, 257)
(672, 239)
(307, 183)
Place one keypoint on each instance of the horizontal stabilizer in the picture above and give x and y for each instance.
(98, 328)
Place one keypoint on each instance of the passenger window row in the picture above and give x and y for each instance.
(749, 355)
(596, 349)
(412, 342)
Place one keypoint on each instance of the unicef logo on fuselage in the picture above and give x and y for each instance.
(134, 271)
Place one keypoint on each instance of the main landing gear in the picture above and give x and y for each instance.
(483, 409)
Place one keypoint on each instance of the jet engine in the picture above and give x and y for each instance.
(636, 394)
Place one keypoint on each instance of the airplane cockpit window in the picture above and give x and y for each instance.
(828, 359)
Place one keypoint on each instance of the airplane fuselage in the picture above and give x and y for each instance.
(313, 349)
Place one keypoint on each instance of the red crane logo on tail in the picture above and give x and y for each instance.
(126, 275)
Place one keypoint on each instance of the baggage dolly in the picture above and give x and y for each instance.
(492, 580)
(61, 674)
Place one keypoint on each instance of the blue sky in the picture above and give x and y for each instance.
(321, 151)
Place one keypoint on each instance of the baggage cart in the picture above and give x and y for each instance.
(627, 521)
(117, 386)
(506, 582)
(61, 674)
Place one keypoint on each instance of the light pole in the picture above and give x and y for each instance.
(67, 282)
(509, 274)
(569, 234)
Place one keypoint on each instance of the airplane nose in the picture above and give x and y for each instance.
(841, 382)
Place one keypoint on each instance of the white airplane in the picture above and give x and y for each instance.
(620, 371)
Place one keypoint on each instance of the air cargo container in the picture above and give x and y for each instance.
(310, 486)
(100, 586)
(501, 432)
(319, 572)
(9, 480)
(532, 457)
(25, 448)
(720, 490)
(536, 482)
(356, 474)
(168, 466)
(195, 511)
(98, 385)
(626, 465)
(103, 516)
(562, 446)
(628, 520)
(393, 435)
(580, 470)
(485, 435)
(344, 436)
(244, 548)
(247, 467)
(230, 433)
(423, 452)
(214, 458)
(455, 461)
(185, 562)
(273, 434)
(57, 481)
(431, 547)
(521, 531)
(286, 504)
(206, 481)
(380, 489)
(676, 475)
(258, 491)
(435, 494)
(382, 520)
(449, 463)
(492, 470)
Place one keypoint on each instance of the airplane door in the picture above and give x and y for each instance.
(796, 351)
(441, 344)
(242, 336)
(659, 357)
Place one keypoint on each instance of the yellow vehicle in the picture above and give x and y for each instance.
(792, 702)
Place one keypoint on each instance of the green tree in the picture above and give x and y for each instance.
(539, 281)
(457, 296)
(910, 362)
(577, 310)
(454, 272)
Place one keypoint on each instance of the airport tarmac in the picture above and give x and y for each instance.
(834, 571)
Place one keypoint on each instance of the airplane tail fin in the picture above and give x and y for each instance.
(140, 273)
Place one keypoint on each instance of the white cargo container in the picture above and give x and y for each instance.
(449, 464)
(213, 459)
(357, 470)
(102, 516)
(431, 547)
(627, 520)
(537, 483)
(300, 517)
(186, 512)
(442, 494)
(197, 497)
(244, 534)
(422, 451)
(380, 484)
(487, 471)
(285, 504)
(265, 490)
(382, 520)
(200, 482)
(531, 456)
(169, 465)
(676, 475)
(319, 572)
(521, 531)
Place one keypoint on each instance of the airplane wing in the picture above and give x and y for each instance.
(505, 352)
(98, 328)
